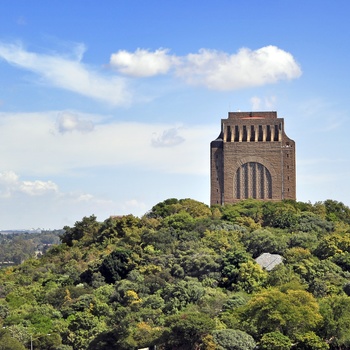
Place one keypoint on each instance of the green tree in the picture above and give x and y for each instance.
(220, 240)
(179, 221)
(233, 339)
(117, 265)
(47, 342)
(186, 331)
(163, 239)
(117, 228)
(310, 222)
(112, 339)
(249, 208)
(264, 241)
(172, 206)
(7, 342)
(275, 341)
(83, 328)
(198, 263)
(279, 214)
(337, 211)
(332, 245)
(231, 262)
(86, 230)
(336, 321)
(306, 240)
(291, 313)
(251, 277)
(178, 296)
(310, 341)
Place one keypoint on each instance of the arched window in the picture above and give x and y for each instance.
(252, 180)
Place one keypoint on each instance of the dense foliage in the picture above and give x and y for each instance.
(184, 276)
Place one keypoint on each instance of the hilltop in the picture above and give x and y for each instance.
(185, 276)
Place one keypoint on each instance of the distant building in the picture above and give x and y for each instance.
(252, 158)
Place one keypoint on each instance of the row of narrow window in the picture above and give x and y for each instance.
(253, 133)
(253, 180)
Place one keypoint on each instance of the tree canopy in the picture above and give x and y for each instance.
(184, 276)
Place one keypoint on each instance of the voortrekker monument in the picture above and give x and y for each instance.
(252, 158)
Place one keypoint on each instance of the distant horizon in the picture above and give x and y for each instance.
(140, 216)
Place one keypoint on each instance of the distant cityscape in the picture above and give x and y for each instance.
(32, 230)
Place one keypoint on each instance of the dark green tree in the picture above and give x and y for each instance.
(86, 230)
(336, 321)
(186, 331)
(7, 342)
(279, 214)
(117, 265)
(337, 211)
(231, 263)
(264, 241)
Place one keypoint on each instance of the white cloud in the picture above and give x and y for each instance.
(37, 188)
(143, 63)
(221, 71)
(8, 177)
(68, 122)
(10, 184)
(168, 138)
(270, 102)
(258, 103)
(84, 197)
(68, 73)
(213, 69)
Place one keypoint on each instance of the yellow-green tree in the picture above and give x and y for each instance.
(292, 313)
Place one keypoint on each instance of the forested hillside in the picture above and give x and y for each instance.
(184, 276)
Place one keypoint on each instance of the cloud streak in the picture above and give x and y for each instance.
(36, 144)
(69, 73)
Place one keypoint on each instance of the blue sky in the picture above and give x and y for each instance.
(108, 107)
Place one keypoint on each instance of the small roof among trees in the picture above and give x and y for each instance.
(269, 261)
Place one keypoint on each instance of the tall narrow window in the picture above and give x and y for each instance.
(236, 137)
(276, 133)
(268, 133)
(244, 133)
(229, 136)
(260, 138)
(252, 133)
